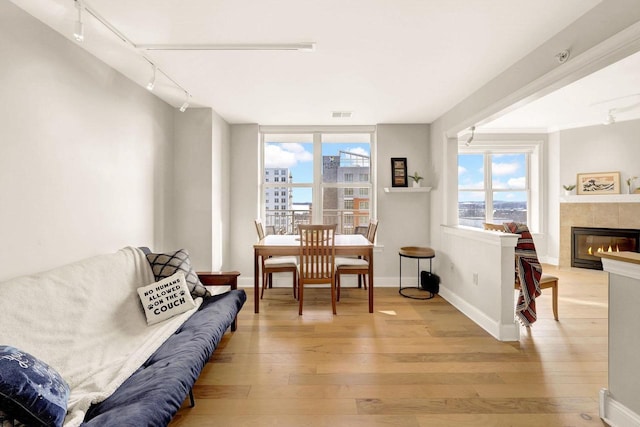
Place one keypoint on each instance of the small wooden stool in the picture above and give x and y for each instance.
(548, 281)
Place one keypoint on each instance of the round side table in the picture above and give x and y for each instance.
(418, 253)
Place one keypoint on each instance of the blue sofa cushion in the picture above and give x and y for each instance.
(30, 390)
(155, 392)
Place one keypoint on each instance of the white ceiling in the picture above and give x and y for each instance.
(586, 102)
(401, 61)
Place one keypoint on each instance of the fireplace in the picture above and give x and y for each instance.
(587, 242)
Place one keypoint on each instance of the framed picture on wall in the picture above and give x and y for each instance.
(599, 183)
(398, 171)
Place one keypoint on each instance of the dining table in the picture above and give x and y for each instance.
(289, 245)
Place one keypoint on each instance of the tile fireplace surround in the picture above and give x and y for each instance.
(621, 211)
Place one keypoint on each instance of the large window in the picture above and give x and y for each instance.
(325, 177)
(499, 183)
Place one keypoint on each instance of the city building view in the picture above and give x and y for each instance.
(287, 192)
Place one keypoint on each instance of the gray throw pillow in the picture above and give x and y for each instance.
(167, 264)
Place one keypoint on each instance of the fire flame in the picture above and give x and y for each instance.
(601, 249)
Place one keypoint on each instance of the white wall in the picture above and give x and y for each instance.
(83, 152)
(600, 149)
(554, 189)
(221, 196)
(535, 74)
(482, 264)
(245, 179)
(200, 204)
(589, 149)
(403, 217)
(619, 405)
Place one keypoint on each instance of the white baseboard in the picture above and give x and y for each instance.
(615, 413)
(502, 332)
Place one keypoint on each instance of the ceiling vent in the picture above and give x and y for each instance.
(341, 114)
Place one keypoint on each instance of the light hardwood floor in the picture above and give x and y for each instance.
(411, 363)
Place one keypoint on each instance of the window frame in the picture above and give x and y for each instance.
(317, 186)
(533, 150)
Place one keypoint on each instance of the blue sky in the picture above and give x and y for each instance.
(508, 172)
(298, 157)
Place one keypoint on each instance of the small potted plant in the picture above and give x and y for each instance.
(568, 189)
(416, 179)
(630, 181)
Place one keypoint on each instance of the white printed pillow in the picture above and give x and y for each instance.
(166, 298)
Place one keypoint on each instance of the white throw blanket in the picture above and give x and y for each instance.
(86, 321)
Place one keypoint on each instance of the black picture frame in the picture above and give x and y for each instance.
(398, 171)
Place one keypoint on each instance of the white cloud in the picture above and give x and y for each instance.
(498, 185)
(504, 168)
(517, 182)
(359, 150)
(285, 155)
(512, 183)
(470, 185)
(461, 170)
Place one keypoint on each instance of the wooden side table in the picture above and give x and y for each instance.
(221, 278)
(418, 253)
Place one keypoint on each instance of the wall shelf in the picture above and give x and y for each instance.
(603, 198)
(407, 189)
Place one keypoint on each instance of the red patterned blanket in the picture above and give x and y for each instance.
(528, 272)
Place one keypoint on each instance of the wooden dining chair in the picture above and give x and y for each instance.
(546, 280)
(276, 264)
(359, 265)
(361, 229)
(317, 259)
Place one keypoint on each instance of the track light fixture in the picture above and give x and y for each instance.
(473, 131)
(611, 118)
(78, 34)
(302, 47)
(185, 104)
(78, 29)
(152, 82)
(617, 107)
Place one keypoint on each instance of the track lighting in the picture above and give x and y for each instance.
(78, 34)
(185, 104)
(152, 82)
(473, 131)
(617, 107)
(611, 118)
(78, 29)
(302, 47)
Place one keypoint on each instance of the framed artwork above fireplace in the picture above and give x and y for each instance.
(599, 183)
